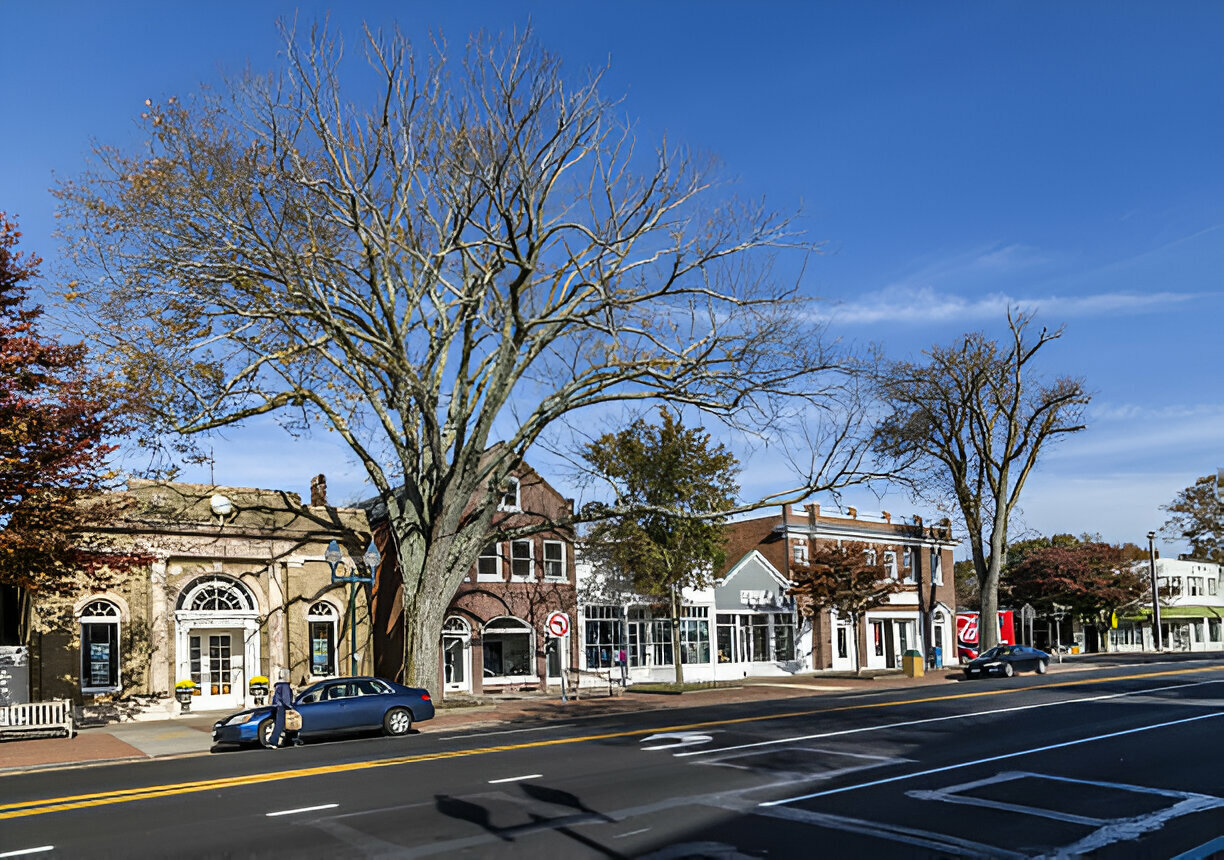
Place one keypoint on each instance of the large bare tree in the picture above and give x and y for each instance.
(437, 255)
(970, 422)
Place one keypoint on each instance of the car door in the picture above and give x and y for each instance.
(322, 709)
(367, 706)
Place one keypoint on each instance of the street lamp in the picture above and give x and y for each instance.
(1156, 634)
(333, 557)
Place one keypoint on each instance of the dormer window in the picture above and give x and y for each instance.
(510, 496)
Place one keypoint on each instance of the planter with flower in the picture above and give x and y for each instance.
(258, 688)
(184, 691)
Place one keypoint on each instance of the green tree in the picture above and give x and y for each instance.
(846, 577)
(662, 532)
(464, 251)
(1196, 515)
(971, 422)
(1090, 578)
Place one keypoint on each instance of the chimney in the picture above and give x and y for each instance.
(887, 516)
(813, 511)
(852, 511)
(318, 491)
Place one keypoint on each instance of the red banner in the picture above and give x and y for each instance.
(967, 632)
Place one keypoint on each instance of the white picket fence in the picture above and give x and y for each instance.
(39, 717)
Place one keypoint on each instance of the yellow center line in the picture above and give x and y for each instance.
(81, 801)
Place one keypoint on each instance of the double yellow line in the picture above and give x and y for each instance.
(27, 808)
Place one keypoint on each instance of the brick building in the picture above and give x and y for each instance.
(494, 632)
(751, 616)
(237, 587)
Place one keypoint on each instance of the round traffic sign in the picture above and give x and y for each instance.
(558, 624)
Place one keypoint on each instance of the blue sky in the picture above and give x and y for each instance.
(953, 158)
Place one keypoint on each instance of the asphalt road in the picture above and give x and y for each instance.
(1120, 762)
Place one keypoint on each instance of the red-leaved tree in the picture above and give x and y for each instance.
(54, 415)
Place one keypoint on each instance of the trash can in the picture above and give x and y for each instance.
(938, 657)
(911, 662)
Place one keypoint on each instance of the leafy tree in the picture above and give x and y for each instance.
(461, 253)
(967, 596)
(1092, 579)
(53, 417)
(846, 578)
(663, 532)
(1196, 515)
(972, 420)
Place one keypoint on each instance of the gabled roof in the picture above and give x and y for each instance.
(755, 558)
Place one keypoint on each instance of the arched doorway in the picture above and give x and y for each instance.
(457, 654)
(216, 634)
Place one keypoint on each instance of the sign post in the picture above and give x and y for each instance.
(558, 628)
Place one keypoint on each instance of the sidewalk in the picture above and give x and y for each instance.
(192, 734)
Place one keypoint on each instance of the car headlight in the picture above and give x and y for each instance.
(992, 665)
(237, 720)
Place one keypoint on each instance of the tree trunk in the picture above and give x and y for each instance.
(854, 626)
(675, 626)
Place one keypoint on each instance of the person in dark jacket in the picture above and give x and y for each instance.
(282, 700)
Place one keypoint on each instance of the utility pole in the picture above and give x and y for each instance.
(1157, 636)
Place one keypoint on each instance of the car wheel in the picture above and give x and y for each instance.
(968, 677)
(1008, 670)
(264, 732)
(1042, 666)
(398, 721)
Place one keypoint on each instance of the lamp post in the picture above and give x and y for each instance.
(1157, 636)
(333, 557)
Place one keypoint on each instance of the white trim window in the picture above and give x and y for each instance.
(321, 629)
(936, 567)
(869, 555)
(488, 566)
(522, 560)
(99, 620)
(510, 499)
(890, 563)
(799, 552)
(508, 652)
(554, 560)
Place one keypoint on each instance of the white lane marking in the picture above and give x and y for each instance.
(989, 759)
(549, 727)
(39, 850)
(676, 740)
(303, 809)
(862, 729)
(630, 833)
(516, 778)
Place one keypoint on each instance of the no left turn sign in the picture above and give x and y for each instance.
(558, 624)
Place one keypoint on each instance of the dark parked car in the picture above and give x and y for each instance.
(1007, 660)
(335, 707)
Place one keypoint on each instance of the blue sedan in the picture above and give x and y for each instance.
(1007, 660)
(335, 707)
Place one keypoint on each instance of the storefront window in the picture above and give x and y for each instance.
(100, 647)
(695, 635)
(603, 636)
(726, 638)
(507, 649)
(321, 621)
(784, 636)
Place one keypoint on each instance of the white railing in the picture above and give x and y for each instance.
(38, 717)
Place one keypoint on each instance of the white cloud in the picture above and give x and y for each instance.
(924, 305)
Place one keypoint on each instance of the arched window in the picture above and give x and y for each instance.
(321, 619)
(215, 594)
(100, 647)
(457, 626)
(508, 653)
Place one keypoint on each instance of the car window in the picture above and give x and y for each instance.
(309, 698)
(338, 691)
(367, 688)
(993, 652)
(1002, 652)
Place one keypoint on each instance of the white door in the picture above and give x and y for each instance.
(456, 661)
(217, 668)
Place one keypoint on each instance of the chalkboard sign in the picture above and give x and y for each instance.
(14, 674)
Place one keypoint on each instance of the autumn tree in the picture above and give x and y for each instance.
(971, 421)
(671, 487)
(846, 577)
(1092, 579)
(53, 419)
(1196, 515)
(444, 250)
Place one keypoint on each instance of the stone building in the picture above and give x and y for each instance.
(494, 633)
(237, 587)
